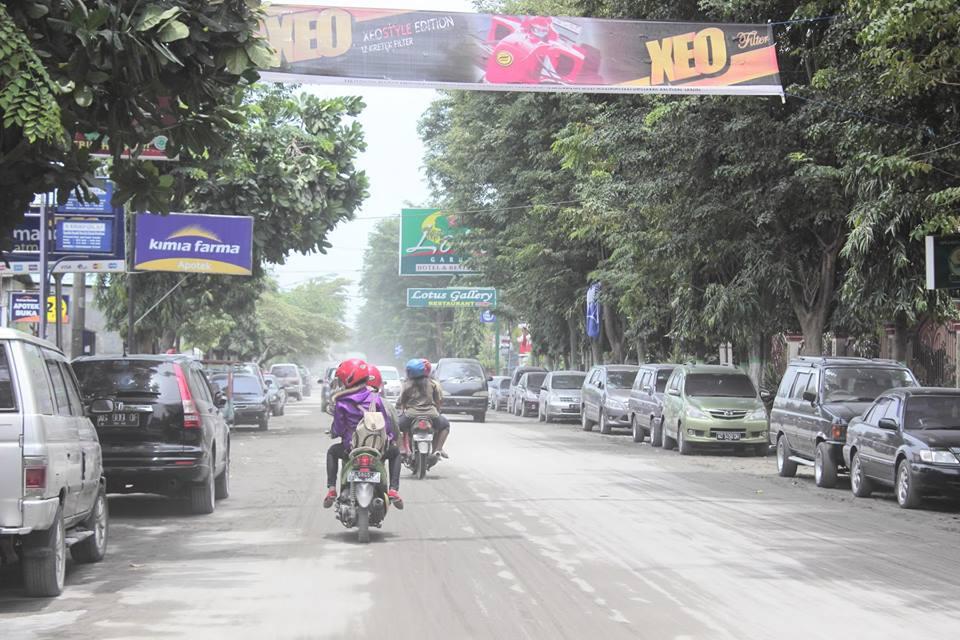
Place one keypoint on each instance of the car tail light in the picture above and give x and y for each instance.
(838, 430)
(35, 477)
(191, 417)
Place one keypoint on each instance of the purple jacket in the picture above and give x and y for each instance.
(349, 411)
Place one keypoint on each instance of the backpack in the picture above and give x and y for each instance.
(371, 431)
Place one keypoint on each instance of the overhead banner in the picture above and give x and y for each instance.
(426, 243)
(194, 243)
(450, 50)
(452, 297)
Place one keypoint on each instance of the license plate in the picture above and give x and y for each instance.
(363, 476)
(118, 420)
(729, 435)
(574, 407)
(422, 437)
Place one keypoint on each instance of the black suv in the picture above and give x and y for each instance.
(464, 387)
(250, 402)
(166, 433)
(816, 399)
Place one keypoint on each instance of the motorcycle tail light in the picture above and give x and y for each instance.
(423, 425)
(364, 461)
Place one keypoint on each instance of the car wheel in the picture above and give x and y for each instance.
(860, 484)
(45, 560)
(546, 415)
(539, 412)
(908, 491)
(202, 496)
(94, 548)
(668, 442)
(222, 486)
(480, 417)
(825, 467)
(637, 430)
(604, 425)
(264, 422)
(762, 450)
(786, 467)
(683, 446)
(656, 432)
(585, 421)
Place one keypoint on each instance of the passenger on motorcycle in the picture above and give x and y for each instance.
(421, 398)
(349, 406)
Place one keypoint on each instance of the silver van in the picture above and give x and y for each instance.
(52, 490)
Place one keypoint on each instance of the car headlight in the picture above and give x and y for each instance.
(757, 414)
(616, 405)
(694, 412)
(938, 456)
(480, 394)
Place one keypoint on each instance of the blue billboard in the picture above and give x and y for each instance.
(194, 243)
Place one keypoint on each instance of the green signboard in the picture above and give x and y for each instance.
(452, 297)
(426, 239)
(943, 262)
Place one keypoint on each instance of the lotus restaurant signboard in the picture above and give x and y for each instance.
(426, 243)
(194, 243)
(452, 297)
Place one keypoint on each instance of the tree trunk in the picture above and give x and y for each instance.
(901, 338)
(614, 329)
(755, 358)
(641, 350)
(168, 340)
(812, 299)
(574, 334)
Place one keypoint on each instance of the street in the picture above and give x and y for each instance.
(530, 530)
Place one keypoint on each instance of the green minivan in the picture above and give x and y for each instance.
(713, 405)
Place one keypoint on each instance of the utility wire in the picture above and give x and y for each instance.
(484, 210)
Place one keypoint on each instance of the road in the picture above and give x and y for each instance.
(528, 531)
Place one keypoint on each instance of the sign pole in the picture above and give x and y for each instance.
(496, 328)
(57, 308)
(131, 240)
(44, 266)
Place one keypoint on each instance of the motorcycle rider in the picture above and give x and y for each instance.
(349, 406)
(421, 398)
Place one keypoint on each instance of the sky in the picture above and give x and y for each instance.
(392, 161)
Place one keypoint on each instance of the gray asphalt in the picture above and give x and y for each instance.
(529, 531)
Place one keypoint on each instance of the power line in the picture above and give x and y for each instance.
(484, 210)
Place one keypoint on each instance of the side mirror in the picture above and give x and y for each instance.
(887, 423)
(673, 392)
(101, 405)
(765, 395)
(810, 396)
(319, 380)
(648, 389)
(489, 378)
(219, 399)
(544, 389)
(600, 385)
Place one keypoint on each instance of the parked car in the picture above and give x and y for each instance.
(276, 395)
(213, 368)
(392, 386)
(251, 403)
(498, 391)
(52, 490)
(165, 433)
(646, 402)
(326, 387)
(307, 382)
(514, 380)
(526, 397)
(559, 396)
(711, 405)
(908, 439)
(464, 387)
(288, 375)
(816, 399)
(604, 396)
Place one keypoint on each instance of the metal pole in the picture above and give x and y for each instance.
(57, 308)
(496, 328)
(77, 313)
(44, 266)
(131, 243)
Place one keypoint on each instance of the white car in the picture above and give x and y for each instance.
(392, 384)
(52, 491)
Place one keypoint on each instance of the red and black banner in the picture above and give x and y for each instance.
(450, 50)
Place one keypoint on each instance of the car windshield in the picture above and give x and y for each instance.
(720, 385)
(284, 371)
(246, 385)
(459, 371)
(861, 384)
(106, 378)
(662, 376)
(932, 412)
(389, 374)
(568, 381)
(535, 380)
(505, 383)
(620, 379)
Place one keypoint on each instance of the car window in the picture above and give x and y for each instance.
(73, 390)
(862, 384)
(284, 371)
(124, 377)
(389, 374)
(800, 384)
(59, 388)
(535, 380)
(39, 380)
(567, 381)
(879, 408)
(674, 382)
(459, 371)
(662, 376)
(643, 379)
(202, 386)
(721, 385)
(620, 379)
(892, 410)
(932, 412)
(786, 385)
(8, 399)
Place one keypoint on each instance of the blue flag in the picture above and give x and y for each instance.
(593, 310)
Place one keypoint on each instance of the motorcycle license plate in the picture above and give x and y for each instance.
(729, 435)
(363, 476)
(422, 437)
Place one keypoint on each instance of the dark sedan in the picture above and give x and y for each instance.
(250, 402)
(908, 439)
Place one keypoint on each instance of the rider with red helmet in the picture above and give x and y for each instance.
(349, 406)
(421, 398)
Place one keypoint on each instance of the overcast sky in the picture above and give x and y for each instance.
(392, 162)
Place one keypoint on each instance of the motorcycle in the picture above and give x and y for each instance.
(363, 501)
(421, 457)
